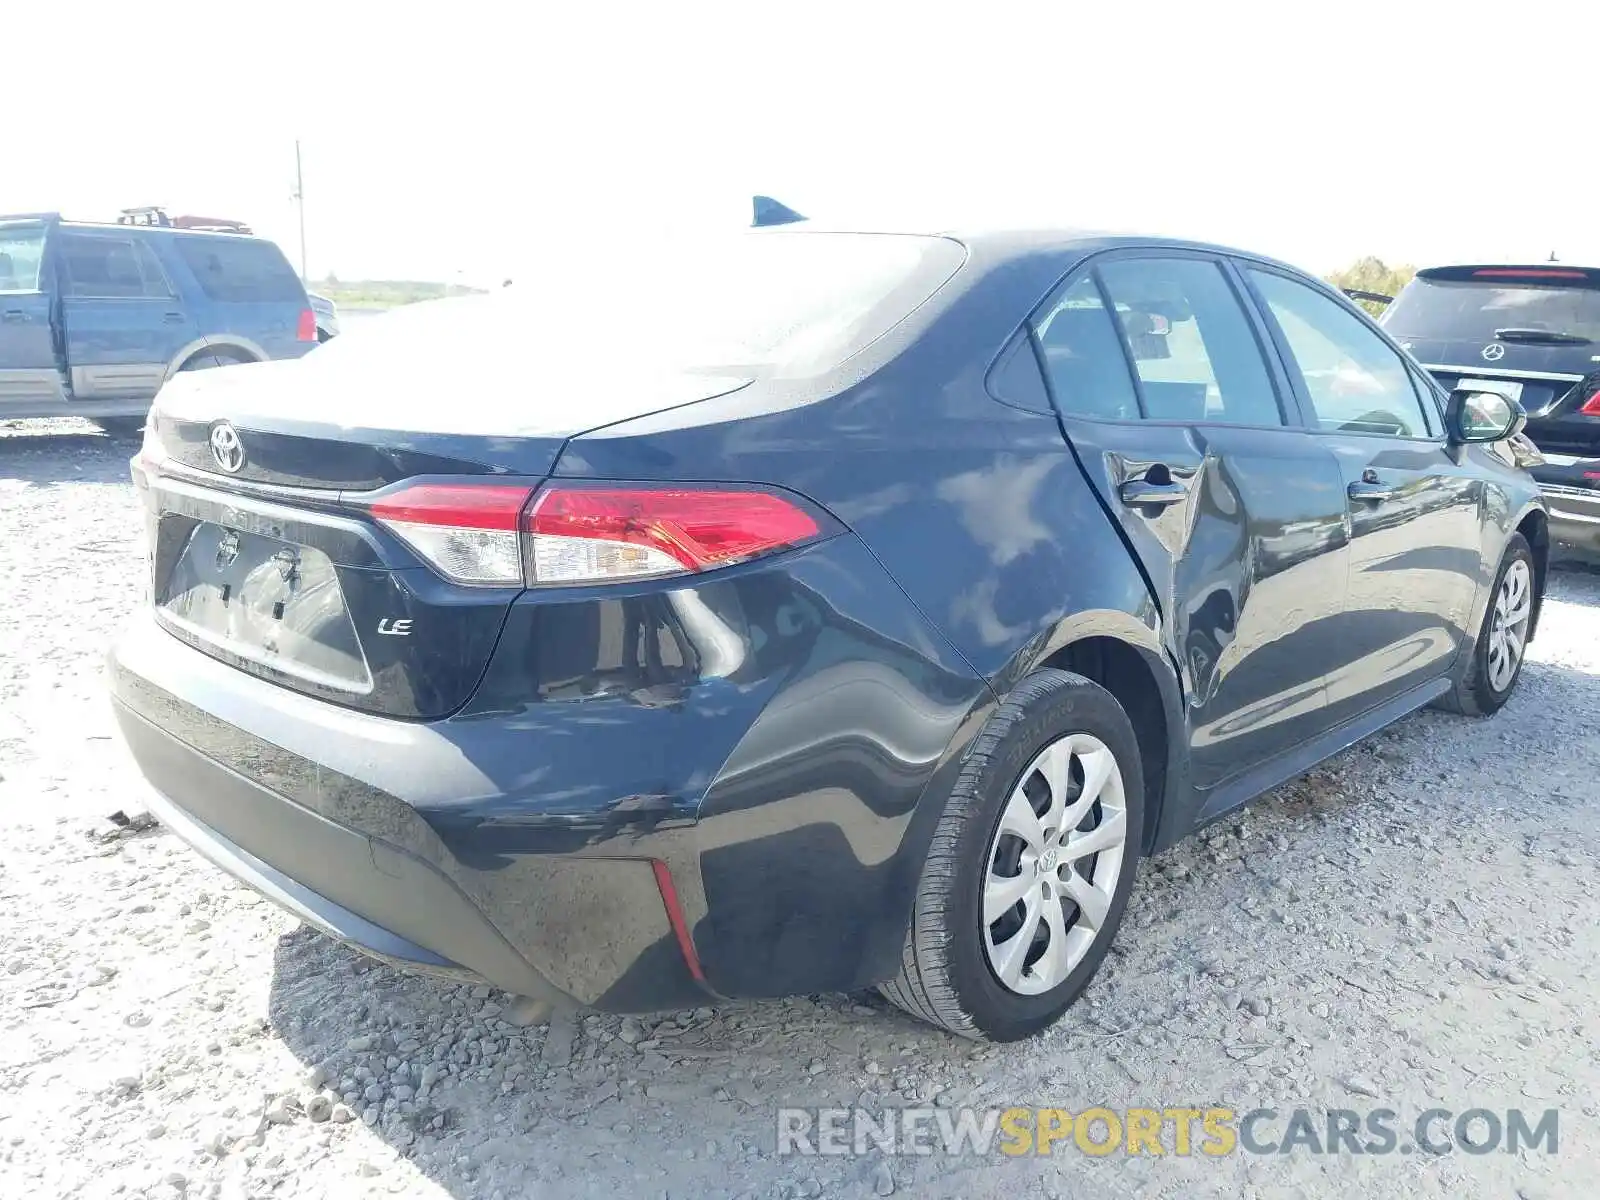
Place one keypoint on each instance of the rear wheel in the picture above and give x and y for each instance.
(1489, 677)
(205, 362)
(1031, 864)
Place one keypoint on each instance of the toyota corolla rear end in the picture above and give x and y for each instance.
(410, 673)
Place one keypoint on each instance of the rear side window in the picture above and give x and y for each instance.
(109, 268)
(1356, 383)
(1191, 342)
(1083, 360)
(21, 251)
(239, 269)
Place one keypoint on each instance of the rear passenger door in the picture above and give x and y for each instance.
(1184, 425)
(1416, 544)
(122, 320)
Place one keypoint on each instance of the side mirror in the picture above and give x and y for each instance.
(1479, 416)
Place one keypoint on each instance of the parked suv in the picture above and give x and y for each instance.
(327, 316)
(1533, 334)
(94, 318)
(810, 612)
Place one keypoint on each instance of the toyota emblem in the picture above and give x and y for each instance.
(1494, 352)
(226, 447)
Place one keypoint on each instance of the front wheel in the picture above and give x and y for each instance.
(1030, 866)
(1489, 676)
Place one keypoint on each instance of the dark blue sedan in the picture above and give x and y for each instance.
(836, 609)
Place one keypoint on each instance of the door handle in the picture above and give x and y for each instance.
(172, 318)
(1148, 491)
(1370, 489)
(16, 316)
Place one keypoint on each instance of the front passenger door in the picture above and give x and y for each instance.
(1236, 513)
(1415, 549)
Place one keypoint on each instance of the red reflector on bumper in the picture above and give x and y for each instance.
(680, 928)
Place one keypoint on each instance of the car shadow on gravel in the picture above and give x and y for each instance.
(595, 1105)
(591, 1104)
(63, 451)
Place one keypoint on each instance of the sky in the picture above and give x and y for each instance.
(471, 141)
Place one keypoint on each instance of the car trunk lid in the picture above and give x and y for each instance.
(260, 481)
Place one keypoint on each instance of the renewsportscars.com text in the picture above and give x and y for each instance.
(1180, 1131)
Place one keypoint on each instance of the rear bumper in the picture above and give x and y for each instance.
(310, 907)
(368, 874)
(360, 863)
(736, 812)
(1574, 516)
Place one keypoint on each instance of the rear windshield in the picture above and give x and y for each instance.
(1474, 309)
(238, 269)
(768, 302)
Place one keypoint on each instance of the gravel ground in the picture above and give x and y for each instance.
(1412, 925)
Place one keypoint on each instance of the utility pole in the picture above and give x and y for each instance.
(300, 201)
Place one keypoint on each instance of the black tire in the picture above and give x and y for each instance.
(945, 975)
(120, 426)
(205, 362)
(1473, 694)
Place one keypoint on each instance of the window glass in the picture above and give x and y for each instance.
(240, 269)
(21, 251)
(1191, 342)
(155, 279)
(1085, 365)
(1355, 381)
(109, 268)
(1475, 305)
(774, 303)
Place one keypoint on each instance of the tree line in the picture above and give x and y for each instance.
(1373, 275)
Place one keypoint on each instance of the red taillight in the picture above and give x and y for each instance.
(480, 533)
(468, 531)
(307, 329)
(1591, 406)
(491, 506)
(596, 534)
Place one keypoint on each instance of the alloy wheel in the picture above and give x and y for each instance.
(1053, 864)
(1508, 631)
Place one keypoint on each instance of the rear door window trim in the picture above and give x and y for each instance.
(1293, 417)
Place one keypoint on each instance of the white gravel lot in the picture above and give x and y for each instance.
(1413, 925)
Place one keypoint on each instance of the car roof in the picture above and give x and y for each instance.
(1532, 268)
(56, 219)
(1002, 241)
(157, 230)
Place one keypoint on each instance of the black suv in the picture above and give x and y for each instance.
(1533, 334)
